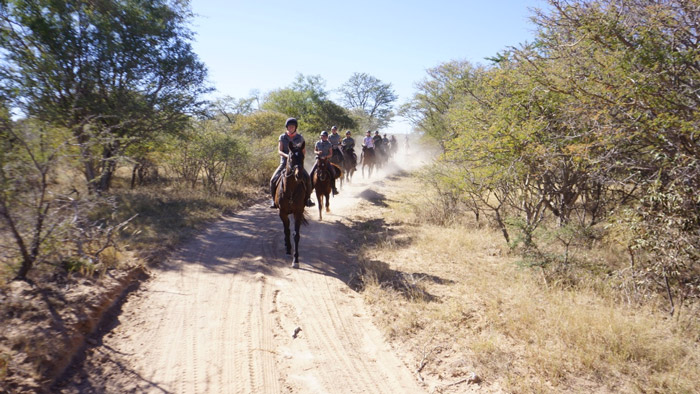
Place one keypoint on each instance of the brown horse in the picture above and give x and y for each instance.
(348, 167)
(368, 160)
(322, 182)
(290, 198)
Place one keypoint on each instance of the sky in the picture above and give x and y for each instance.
(264, 44)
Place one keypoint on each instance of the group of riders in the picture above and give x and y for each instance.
(330, 147)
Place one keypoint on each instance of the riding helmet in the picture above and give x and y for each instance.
(291, 121)
(324, 132)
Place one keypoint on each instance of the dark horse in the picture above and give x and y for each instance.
(368, 159)
(348, 166)
(322, 182)
(290, 198)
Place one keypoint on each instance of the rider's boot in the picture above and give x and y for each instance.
(273, 188)
(309, 188)
(335, 191)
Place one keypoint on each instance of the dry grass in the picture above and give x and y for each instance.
(41, 323)
(485, 313)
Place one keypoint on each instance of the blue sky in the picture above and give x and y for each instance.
(264, 44)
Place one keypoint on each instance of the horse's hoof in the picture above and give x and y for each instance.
(328, 210)
(295, 265)
(289, 251)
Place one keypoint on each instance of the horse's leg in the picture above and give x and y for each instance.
(319, 199)
(328, 202)
(287, 241)
(298, 218)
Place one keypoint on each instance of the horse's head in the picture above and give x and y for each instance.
(295, 161)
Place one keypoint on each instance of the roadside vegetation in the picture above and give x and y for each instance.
(467, 309)
(555, 244)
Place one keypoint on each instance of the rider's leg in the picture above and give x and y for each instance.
(273, 183)
(334, 173)
(311, 174)
(307, 182)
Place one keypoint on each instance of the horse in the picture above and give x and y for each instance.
(337, 158)
(322, 182)
(381, 156)
(368, 159)
(290, 198)
(348, 166)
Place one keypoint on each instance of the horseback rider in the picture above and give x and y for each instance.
(289, 137)
(368, 141)
(385, 141)
(334, 139)
(324, 150)
(377, 139)
(348, 145)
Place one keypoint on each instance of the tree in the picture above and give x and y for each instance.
(437, 95)
(307, 100)
(370, 99)
(231, 108)
(111, 72)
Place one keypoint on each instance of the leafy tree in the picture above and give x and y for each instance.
(369, 99)
(307, 100)
(631, 70)
(112, 72)
(231, 108)
(438, 94)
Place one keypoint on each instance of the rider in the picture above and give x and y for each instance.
(295, 139)
(377, 140)
(324, 150)
(348, 144)
(385, 141)
(334, 139)
(368, 142)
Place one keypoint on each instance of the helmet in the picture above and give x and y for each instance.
(324, 132)
(334, 128)
(376, 132)
(291, 121)
(347, 132)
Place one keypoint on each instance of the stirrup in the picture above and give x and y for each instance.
(310, 203)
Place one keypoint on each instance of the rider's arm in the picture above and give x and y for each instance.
(280, 151)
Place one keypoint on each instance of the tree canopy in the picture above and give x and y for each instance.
(369, 99)
(113, 72)
(307, 100)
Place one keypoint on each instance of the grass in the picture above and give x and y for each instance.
(166, 216)
(37, 321)
(489, 315)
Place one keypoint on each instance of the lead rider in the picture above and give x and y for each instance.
(296, 140)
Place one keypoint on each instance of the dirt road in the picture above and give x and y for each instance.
(220, 315)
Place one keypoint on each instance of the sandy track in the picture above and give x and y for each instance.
(219, 317)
